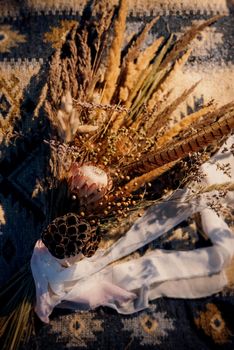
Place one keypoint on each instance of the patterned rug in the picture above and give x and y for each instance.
(29, 32)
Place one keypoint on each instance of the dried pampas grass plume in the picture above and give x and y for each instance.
(114, 57)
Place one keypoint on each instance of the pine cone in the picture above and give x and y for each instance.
(70, 235)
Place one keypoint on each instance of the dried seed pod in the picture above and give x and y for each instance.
(70, 235)
(88, 183)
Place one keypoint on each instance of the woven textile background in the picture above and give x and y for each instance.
(29, 32)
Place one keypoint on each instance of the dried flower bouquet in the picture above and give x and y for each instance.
(112, 136)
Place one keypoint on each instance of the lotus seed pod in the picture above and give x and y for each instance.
(70, 235)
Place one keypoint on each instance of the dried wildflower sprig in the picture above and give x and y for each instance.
(224, 187)
(91, 106)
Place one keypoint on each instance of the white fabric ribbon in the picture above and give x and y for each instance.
(128, 286)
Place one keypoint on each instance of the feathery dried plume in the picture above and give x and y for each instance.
(129, 67)
(162, 90)
(162, 119)
(114, 57)
(182, 43)
(148, 83)
(224, 187)
(133, 70)
(145, 57)
(133, 51)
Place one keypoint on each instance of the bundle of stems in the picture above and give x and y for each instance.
(17, 299)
